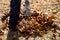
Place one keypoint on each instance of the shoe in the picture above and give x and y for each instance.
(12, 35)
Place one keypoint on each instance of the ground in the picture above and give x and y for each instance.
(44, 5)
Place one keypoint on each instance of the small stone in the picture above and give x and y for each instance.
(21, 38)
(30, 38)
(38, 38)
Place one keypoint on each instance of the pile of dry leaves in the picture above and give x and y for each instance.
(37, 23)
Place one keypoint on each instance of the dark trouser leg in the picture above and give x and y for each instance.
(14, 16)
(14, 13)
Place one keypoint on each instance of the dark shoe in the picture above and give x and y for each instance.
(12, 35)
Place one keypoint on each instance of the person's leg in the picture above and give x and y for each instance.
(14, 13)
(14, 16)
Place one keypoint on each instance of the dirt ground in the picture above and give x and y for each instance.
(43, 5)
